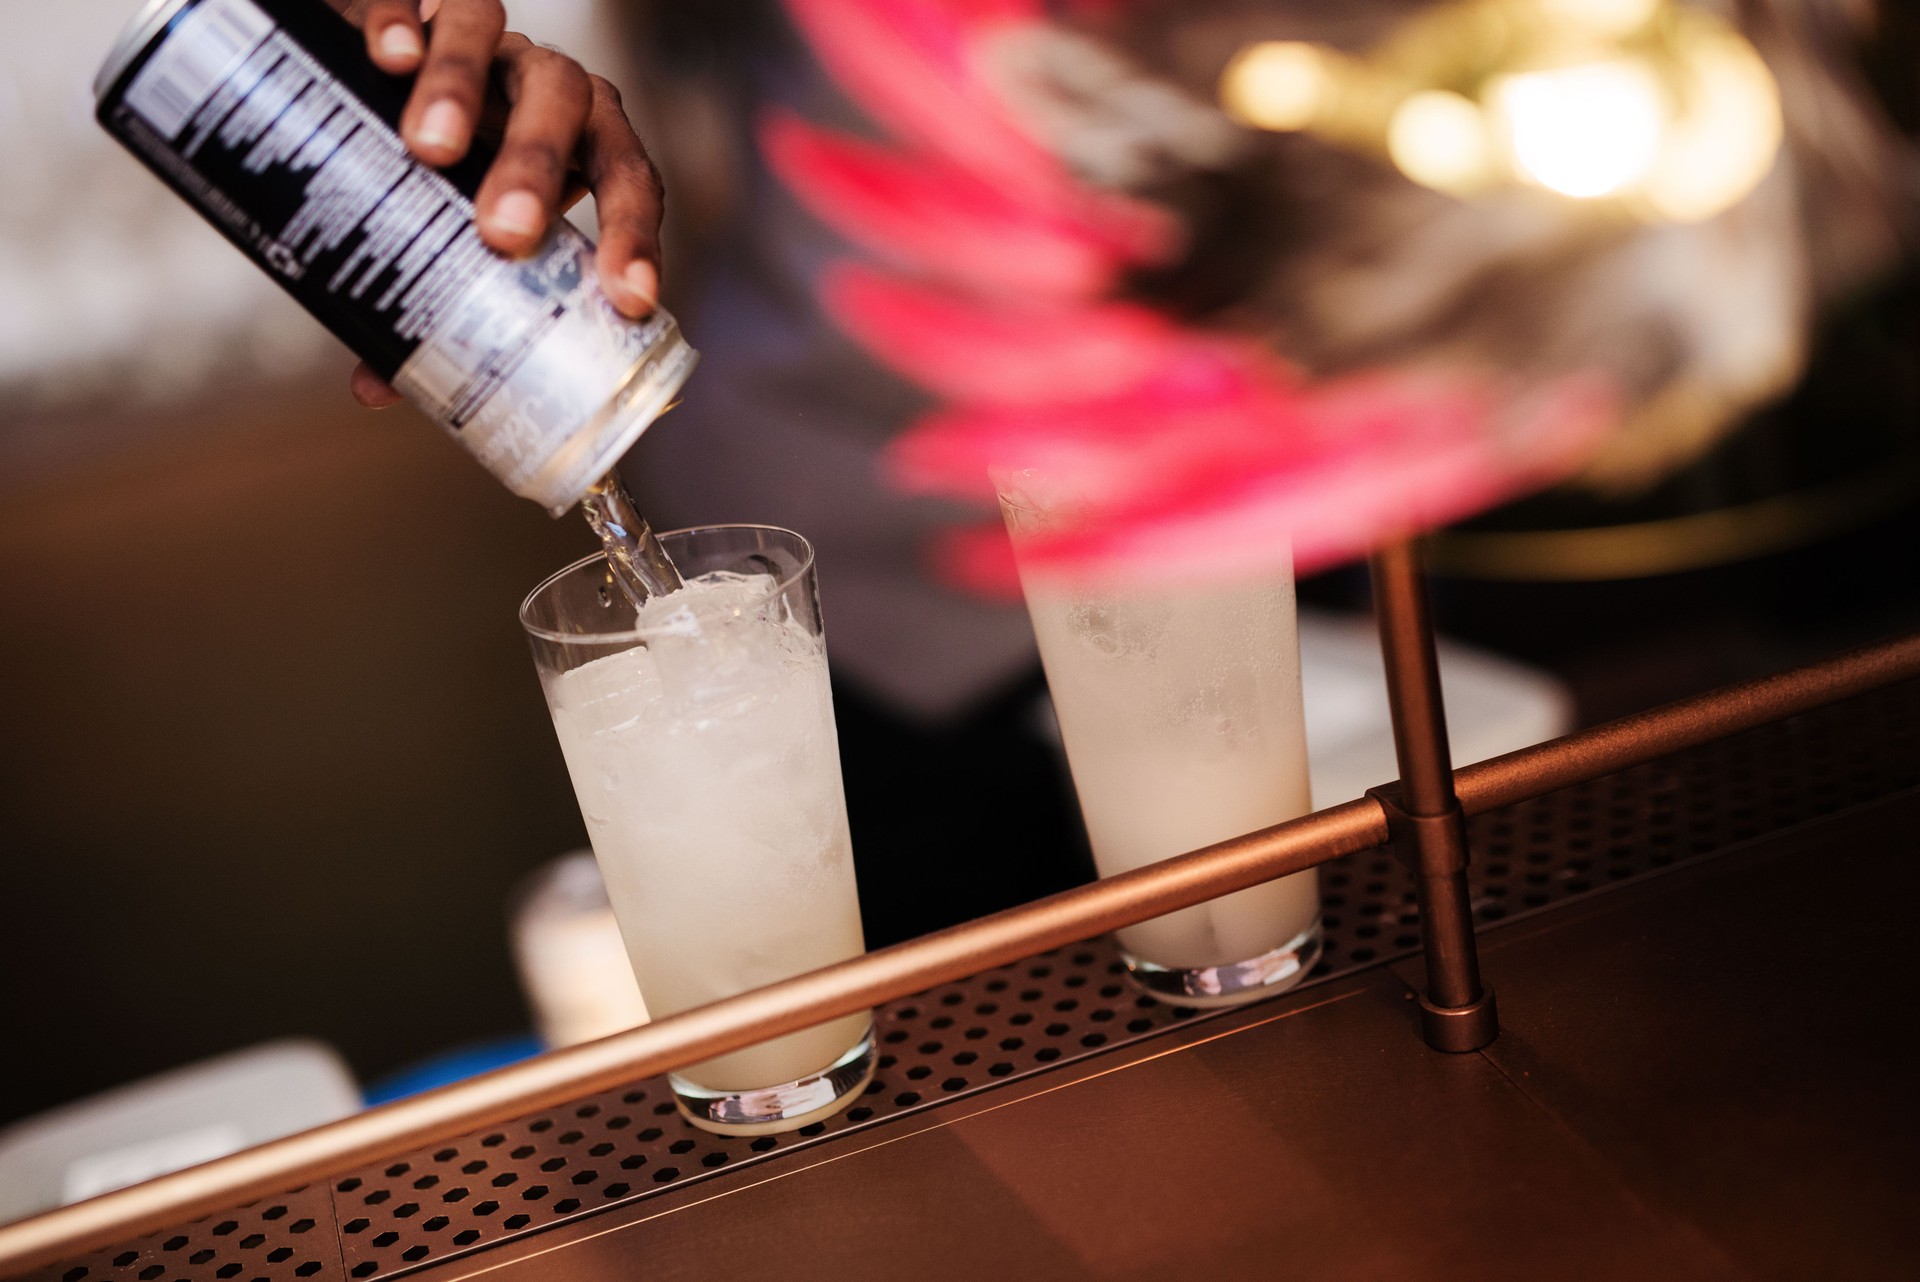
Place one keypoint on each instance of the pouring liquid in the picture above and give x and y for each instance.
(639, 564)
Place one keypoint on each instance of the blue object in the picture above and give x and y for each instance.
(453, 1066)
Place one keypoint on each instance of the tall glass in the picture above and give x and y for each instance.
(1180, 709)
(699, 735)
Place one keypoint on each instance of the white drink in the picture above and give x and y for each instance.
(707, 769)
(1182, 719)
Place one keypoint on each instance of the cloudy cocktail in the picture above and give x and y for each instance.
(1180, 710)
(698, 730)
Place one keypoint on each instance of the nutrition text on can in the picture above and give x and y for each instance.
(269, 117)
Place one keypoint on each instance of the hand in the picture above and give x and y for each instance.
(563, 126)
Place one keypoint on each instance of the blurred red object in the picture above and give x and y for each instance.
(1189, 452)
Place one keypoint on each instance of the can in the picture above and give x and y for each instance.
(269, 118)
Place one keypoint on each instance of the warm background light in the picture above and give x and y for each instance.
(1727, 135)
(1658, 109)
(1583, 131)
(1602, 17)
(1279, 84)
(1440, 139)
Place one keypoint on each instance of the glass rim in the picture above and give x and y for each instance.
(780, 584)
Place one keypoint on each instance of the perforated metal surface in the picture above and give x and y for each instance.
(1004, 1024)
(278, 1239)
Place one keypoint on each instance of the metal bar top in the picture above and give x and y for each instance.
(908, 968)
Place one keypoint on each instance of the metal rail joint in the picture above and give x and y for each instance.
(1425, 824)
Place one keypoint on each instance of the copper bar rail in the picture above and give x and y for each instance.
(913, 966)
(1429, 831)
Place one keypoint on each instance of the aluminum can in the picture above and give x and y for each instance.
(270, 119)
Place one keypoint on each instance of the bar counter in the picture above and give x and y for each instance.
(1703, 1071)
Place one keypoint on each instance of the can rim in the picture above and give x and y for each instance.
(640, 401)
(152, 16)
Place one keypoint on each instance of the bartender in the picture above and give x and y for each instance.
(959, 807)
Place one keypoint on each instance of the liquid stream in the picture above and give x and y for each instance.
(639, 564)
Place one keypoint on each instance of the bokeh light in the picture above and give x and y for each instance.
(1440, 139)
(1277, 84)
(1726, 137)
(1601, 17)
(1655, 109)
(1588, 130)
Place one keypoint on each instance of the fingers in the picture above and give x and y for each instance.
(630, 201)
(523, 191)
(445, 107)
(559, 113)
(370, 389)
(395, 38)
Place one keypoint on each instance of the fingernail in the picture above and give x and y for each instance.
(400, 42)
(643, 280)
(444, 125)
(518, 213)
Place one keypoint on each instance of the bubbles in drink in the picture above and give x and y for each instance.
(1119, 628)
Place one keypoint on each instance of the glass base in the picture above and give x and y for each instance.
(1234, 982)
(786, 1107)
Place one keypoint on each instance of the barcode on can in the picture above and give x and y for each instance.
(205, 48)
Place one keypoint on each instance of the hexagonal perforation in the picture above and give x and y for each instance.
(625, 1144)
(289, 1238)
(1643, 820)
(1020, 1019)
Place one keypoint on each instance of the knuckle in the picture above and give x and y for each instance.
(362, 13)
(473, 16)
(555, 57)
(605, 90)
(577, 92)
(538, 160)
(631, 195)
(557, 67)
(456, 69)
(563, 82)
(651, 179)
(641, 165)
(635, 175)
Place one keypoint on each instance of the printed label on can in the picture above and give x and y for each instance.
(208, 44)
(515, 357)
